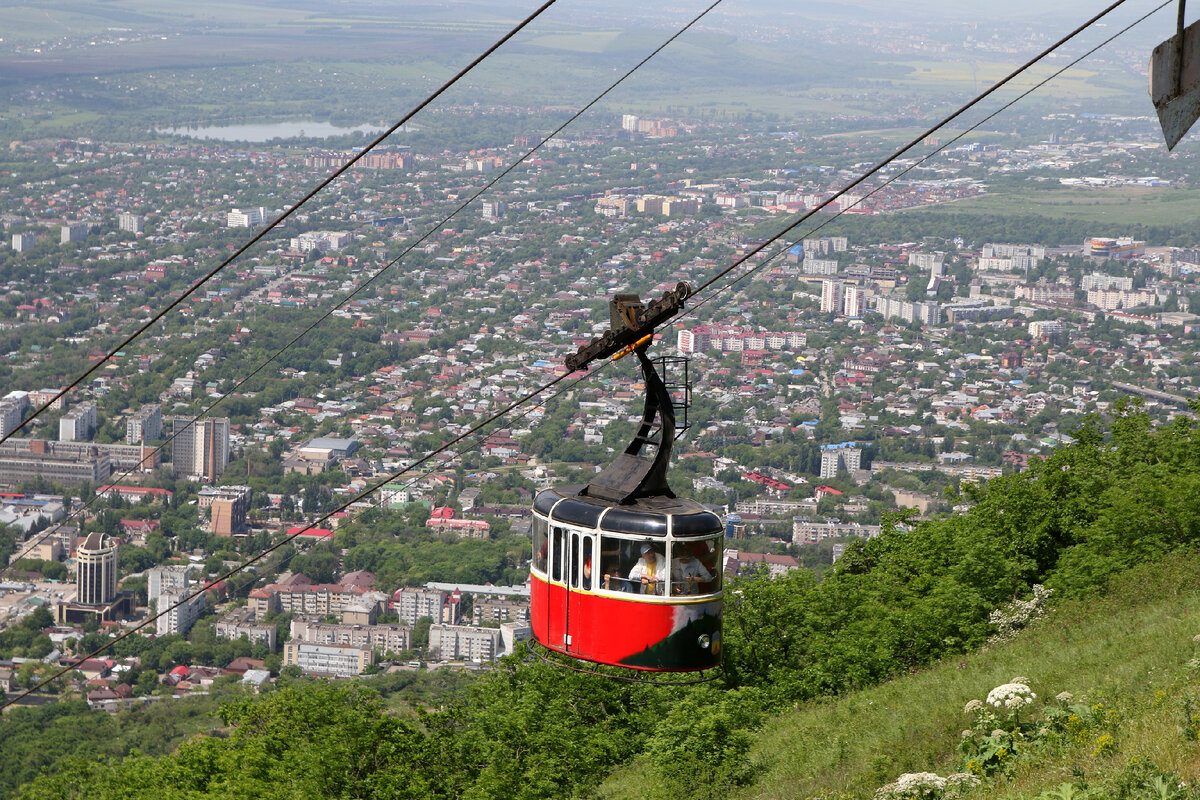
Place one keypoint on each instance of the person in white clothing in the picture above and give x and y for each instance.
(688, 575)
(649, 571)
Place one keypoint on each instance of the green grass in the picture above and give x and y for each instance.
(1120, 205)
(1127, 649)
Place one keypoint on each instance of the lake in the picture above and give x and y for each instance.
(265, 131)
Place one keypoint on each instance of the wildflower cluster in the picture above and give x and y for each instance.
(1016, 615)
(998, 736)
(927, 786)
(1011, 696)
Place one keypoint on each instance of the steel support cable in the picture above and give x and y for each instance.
(921, 137)
(515, 404)
(408, 249)
(779, 251)
(274, 223)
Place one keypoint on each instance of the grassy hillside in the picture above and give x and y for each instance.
(1128, 650)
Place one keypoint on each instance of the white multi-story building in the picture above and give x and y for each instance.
(831, 297)
(145, 425)
(96, 570)
(328, 659)
(1098, 280)
(836, 460)
(463, 642)
(819, 266)
(181, 611)
(929, 261)
(382, 638)
(925, 313)
(161, 579)
(410, 604)
(1048, 328)
(78, 424)
(12, 411)
(993, 250)
(805, 530)
(245, 218)
(493, 210)
(853, 301)
(133, 223)
(239, 622)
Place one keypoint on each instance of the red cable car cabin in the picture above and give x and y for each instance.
(635, 585)
(624, 572)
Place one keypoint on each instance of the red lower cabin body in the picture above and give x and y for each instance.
(662, 634)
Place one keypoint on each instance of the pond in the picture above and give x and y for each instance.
(265, 131)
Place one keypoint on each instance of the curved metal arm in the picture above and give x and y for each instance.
(633, 475)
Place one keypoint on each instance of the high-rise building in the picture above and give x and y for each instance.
(145, 425)
(96, 571)
(853, 301)
(12, 411)
(493, 210)
(838, 459)
(74, 232)
(178, 610)
(200, 450)
(629, 122)
(831, 297)
(78, 424)
(245, 217)
(134, 223)
(160, 579)
(23, 241)
(411, 603)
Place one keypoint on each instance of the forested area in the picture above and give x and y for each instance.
(1121, 496)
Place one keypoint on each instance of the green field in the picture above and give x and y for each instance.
(1126, 204)
(976, 76)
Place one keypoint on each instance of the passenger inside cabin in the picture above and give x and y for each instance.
(648, 571)
(688, 575)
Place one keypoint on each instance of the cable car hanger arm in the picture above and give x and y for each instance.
(631, 323)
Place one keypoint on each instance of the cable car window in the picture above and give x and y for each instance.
(574, 566)
(586, 564)
(558, 553)
(540, 544)
(632, 565)
(695, 567)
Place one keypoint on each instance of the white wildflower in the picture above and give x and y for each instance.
(1196, 639)
(1020, 679)
(1010, 696)
(999, 732)
(912, 786)
(965, 734)
(973, 707)
(1064, 697)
